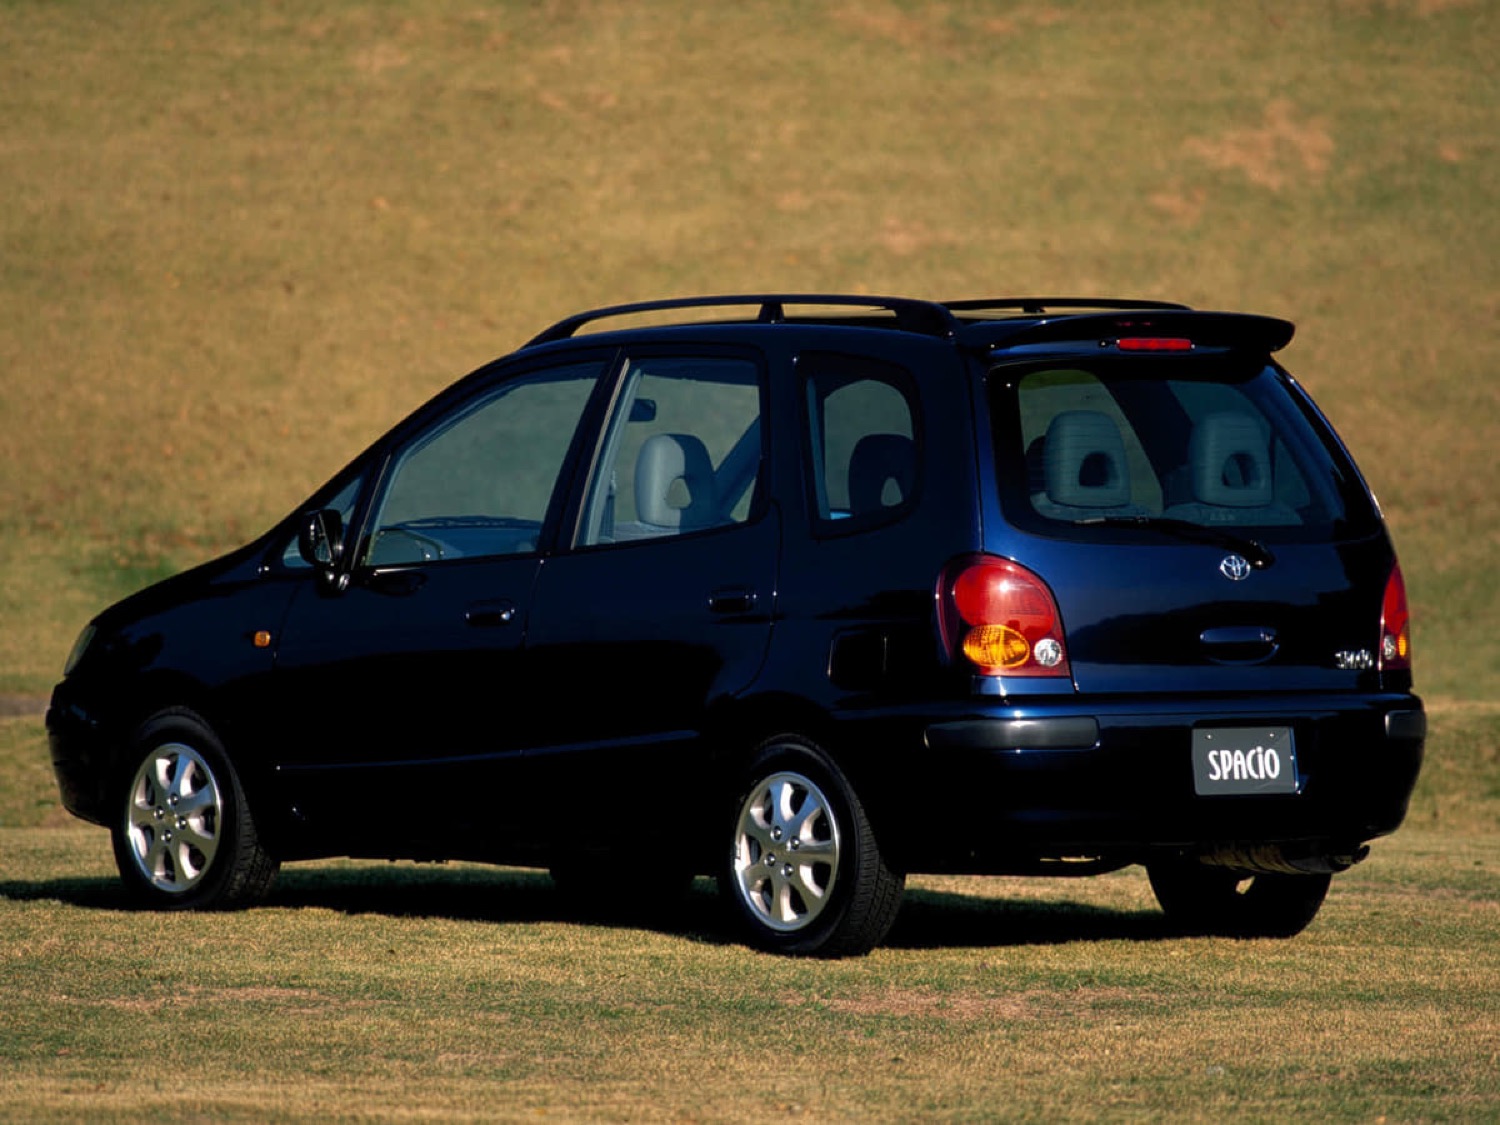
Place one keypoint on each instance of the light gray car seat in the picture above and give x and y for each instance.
(1084, 471)
(1229, 461)
(674, 488)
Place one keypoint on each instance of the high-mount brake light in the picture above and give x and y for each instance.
(1154, 344)
(1000, 617)
(1395, 625)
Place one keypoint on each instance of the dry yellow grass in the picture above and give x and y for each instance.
(240, 243)
(398, 993)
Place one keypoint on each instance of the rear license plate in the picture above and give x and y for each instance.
(1244, 760)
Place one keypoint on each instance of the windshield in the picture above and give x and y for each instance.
(1209, 442)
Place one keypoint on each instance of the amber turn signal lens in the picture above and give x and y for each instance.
(996, 646)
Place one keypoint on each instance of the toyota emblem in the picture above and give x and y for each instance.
(1235, 568)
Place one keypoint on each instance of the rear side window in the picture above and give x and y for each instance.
(1208, 441)
(863, 467)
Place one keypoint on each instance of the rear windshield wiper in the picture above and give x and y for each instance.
(1255, 552)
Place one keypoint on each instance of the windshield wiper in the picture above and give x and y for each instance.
(1256, 554)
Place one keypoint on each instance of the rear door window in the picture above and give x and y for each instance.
(1212, 442)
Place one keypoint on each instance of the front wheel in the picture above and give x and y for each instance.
(804, 872)
(183, 834)
(1213, 900)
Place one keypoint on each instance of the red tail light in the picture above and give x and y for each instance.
(1001, 618)
(1395, 625)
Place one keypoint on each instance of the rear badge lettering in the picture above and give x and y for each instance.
(1259, 763)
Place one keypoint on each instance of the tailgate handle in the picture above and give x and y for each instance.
(1240, 644)
(1238, 635)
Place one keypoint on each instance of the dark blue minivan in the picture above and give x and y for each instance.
(802, 591)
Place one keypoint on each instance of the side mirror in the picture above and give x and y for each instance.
(320, 542)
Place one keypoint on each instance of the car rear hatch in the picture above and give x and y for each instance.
(1195, 518)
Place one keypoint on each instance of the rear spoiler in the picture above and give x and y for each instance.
(1174, 329)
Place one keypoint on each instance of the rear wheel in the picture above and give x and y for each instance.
(1214, 900)
(804, 872)
(183, 834)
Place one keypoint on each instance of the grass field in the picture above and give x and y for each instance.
(238, 242)
(364, 991)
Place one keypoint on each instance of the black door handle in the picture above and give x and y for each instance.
(731, 601)
(490, 615)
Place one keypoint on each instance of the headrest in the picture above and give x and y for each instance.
(882, 472)
(674, 482)
(1231, 462)
(1085, 461)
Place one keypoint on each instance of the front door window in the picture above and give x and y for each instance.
(480, 482)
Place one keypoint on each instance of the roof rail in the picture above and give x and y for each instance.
(1040, 306)
(925, 317)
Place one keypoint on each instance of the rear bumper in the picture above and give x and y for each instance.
(998, 788)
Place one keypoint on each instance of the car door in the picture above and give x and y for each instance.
(663, 608)
(408, 698)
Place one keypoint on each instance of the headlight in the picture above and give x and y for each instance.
(80, 646)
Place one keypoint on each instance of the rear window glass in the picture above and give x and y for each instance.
(1204, 440)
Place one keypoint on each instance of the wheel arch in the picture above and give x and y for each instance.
(841, 897)
(738, 728)
(164, 692)
(185, 836)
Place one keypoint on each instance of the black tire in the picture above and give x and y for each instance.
(803, 871)
(1200, 899)
(183, 835)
